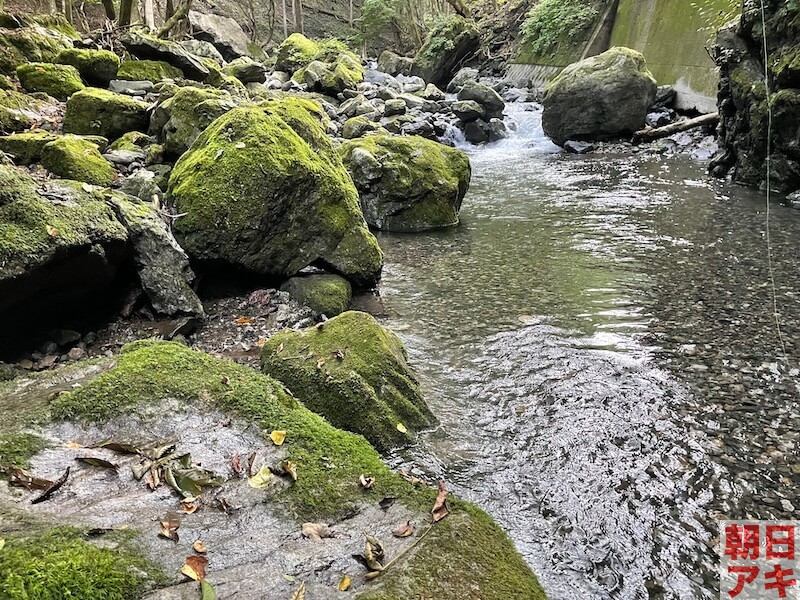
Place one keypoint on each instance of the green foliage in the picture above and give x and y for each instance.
(375, 16)
(553, 20)
(60, 564)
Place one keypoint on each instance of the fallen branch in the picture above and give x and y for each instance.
(649, 134)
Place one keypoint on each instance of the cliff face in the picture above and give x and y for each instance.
(743, 95)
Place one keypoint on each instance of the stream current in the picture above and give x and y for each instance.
(598, 341)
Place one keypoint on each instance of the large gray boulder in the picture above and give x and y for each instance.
(224, 33)
(146, 46)
(447, 45)
(394, 64)
(488, 99)
(600, 97)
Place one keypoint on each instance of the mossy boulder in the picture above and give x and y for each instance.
(100, 112)
(19, 111)
(295, 52)
(95, 66)
(450, 41)
(53, 23)
(187, 114)
(52, 252)
(144, 45)
(26, 148)
(323, 293)
(58, 81)
(133, 141)
(601, 97)
(407, 183)
(246, 70)
(74, 158)
(394, 64)
(29, 44)
(355, 373)
(147, 70)
(356, 127)
(263, 189)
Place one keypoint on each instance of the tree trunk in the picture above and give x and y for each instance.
(458, 6)
(285, 21)
(149, 15)
(650, 134)
(111, 12)
(300, 16)
(294, 15)
(350, 20)
(169, 11)
(179, 16)
(125, 10)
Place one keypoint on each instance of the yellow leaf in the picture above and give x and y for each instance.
(290, 468)
(52, 231)
(401, 428)
(243, 320)
(73, 445)
(277, 437)
(199, 547)
(261, 479)
(195, 567)
(344, 584)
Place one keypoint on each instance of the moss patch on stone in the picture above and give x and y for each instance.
(58, 81)
(63, 564)
(323, 293)
(147, 70)
(29, 44)
(16, 449)
(295, 51)
(74, 158)
(95, 66)
(451, 39)
(354, 372)
(133, 141)
(18, 111)
(26, 148)
(100, 112)
(190, 110)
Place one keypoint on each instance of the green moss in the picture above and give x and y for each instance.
(270, 172)
(16, 449)
(20, 46)
(190, 111)
(78, 159)
(63, 564)
(445, 46)
(6, 83)
(96, 66)
(409, 183)
(354, 372)
(487, 566)
(58, 81)
(18, 111)
(26, 148)
(355, 127)
(323, 293)
(147, 70)
(133, 141)
(96, 111)
(553, 22)
(295, 51)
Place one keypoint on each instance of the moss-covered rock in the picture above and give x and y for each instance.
(54, 23)
(29, 44)
(58, 81)
(354, 373)
(445, 48)
(263, 189)
(407, 183)
(246, 70)
(62, 563)
(133, 141)
(356, 127)
(147, 70)
(95, 66)
(187, 114)
(19, 111)
(100, 112)
(323, 293)
(26, 148)
(144, 45)
(77, 159)
(394, 64)
(295, 52)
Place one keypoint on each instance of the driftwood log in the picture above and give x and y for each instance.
(649, 134)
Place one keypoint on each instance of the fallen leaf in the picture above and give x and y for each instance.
(72, 445)
(316, 531)
(320, 364)
(190, 505)
(373, 553)
(96, 462)
(116, 447)
(52, 231)
(300, 594)
(195, 567)
(236, 465)
(261, 342)
(259, 297)
(277, 437)
(344, 584)
(2, 543)
(22, 478)
(402, 531)
(371, 575)
(386, 502)
(207, 591)
(169, 529)
(440, 511)
(243, 321)
(199, 547)
(290, 468)
(366, 482)
(401, 428)
(241, 145)
(289, 578)
(251, 461)
(340, 354)
(279, 349)
(45, 495)
(261, 479)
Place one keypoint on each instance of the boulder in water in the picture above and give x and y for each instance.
(394, 64)
(601, 97)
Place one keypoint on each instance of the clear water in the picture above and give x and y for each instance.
(597, 339)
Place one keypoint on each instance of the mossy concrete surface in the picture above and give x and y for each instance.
(262, 188)
(58, 81)
(355, 373)
(408, 183)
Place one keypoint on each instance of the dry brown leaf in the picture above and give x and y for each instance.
(366, 482)
(52, 231)
(300, 594)
(236, 465)
(344, 584)
(277, 437)
(243, 321)
(290, 468)
(169, 529)
(195, 567)
(190, 505)
(371, 575)
(199, 547)
(320, 364)
(316, 531)
(440, 511)
(404, 530)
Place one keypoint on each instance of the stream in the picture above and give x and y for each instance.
(598, 342)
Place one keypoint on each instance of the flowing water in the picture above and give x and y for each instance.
(597, 339)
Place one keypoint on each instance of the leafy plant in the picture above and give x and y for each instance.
(553, 20)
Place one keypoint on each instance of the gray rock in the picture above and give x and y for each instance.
(489, 99)
(246, 70)
(576, 147)
(224, 33)
(468, 110)
(149, 47)
(477, 132)
(411, 84)
(203, 50)
(412, 101)
(598, 98)
(464, 76)
(394, 64)
(497, 130)
(131, 88)
(665, 97)
(433, 93)
(143, 185)
(396, 106)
